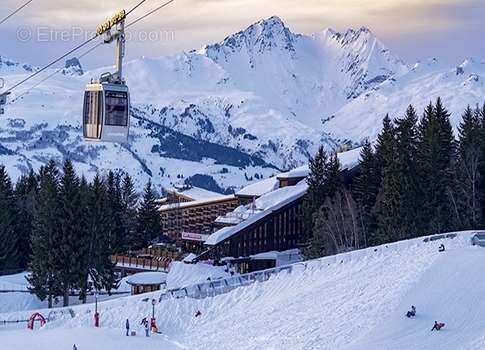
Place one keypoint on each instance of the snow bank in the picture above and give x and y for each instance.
(182, 274)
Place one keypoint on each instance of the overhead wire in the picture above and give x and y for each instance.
(87, 42)
(53, 73)
(15, 12)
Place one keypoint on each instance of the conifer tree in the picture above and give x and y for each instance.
(115, 202)
(86, 244)
(385, 144)
(72, 231)
(9, 254)
(129, 201)
(149, 222)
(324, 180)
(45, 277)
(436, 151)
(406, 181)
(386, 209)
(468, 176)
(100, 228)
(366, 188)
(25, 191)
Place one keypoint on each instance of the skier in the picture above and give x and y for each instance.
(441, 248)
(74, 347)
(198, 313)
(127, 328)
(437, 326)
(412, 312)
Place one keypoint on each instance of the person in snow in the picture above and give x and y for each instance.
(147, 329)
(127, 328)
(412, 312)
(437, 326)
(198, 313)
(441, 248)
(74, 347)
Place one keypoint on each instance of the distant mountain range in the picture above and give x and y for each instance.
(260, 101)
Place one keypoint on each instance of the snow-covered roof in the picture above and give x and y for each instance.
(196, 203)
(348, 160)
(195, 193)
(146, 278)
(263, 206)
(189, 258)
(271, 200)
(274, 255)
(259, 188)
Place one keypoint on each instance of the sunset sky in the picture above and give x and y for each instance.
(412, 29)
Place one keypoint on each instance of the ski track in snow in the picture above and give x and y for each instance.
(351, 301)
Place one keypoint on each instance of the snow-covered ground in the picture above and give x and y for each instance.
(351, 301)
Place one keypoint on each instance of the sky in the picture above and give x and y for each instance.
(413, 29)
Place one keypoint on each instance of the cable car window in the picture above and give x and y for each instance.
(116, 108)
(92, 107)
(93, 114)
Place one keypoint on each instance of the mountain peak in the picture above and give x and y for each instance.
(262, 36)
(272, 22)
(73, 66)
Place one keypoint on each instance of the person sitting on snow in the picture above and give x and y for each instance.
(412, 312)
(441, 248)
(437, 326)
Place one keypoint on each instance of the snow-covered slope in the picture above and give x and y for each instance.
(350, 301)
(458, 87)
(262, 99)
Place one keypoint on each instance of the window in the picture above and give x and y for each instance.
(93, 108)
(117, 108)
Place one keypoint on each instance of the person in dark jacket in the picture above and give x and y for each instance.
(412, 312)
(437, 326)
(127, 328)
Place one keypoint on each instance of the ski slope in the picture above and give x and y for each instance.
(452, 291)
(350, 301)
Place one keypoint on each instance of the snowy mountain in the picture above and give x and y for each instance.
(259, 101)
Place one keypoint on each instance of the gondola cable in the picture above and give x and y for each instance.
(52, 74)
(15, 12)
(85, 43)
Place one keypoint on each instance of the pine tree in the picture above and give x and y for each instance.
(115, 202)
(435, 155)
(324, 181)
(407, 186)
(314, 196)
(149, 222)
(129, 201)
(366, 188)
(9, 254)
(385, 144)
(87, 243)
(45, 278)
(386, 209)
(25, 191)
(468, 177)
(100, 228)
(72, 231)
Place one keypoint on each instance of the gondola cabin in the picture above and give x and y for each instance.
(106, 112)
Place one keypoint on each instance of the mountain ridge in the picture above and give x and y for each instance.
(267, 96)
